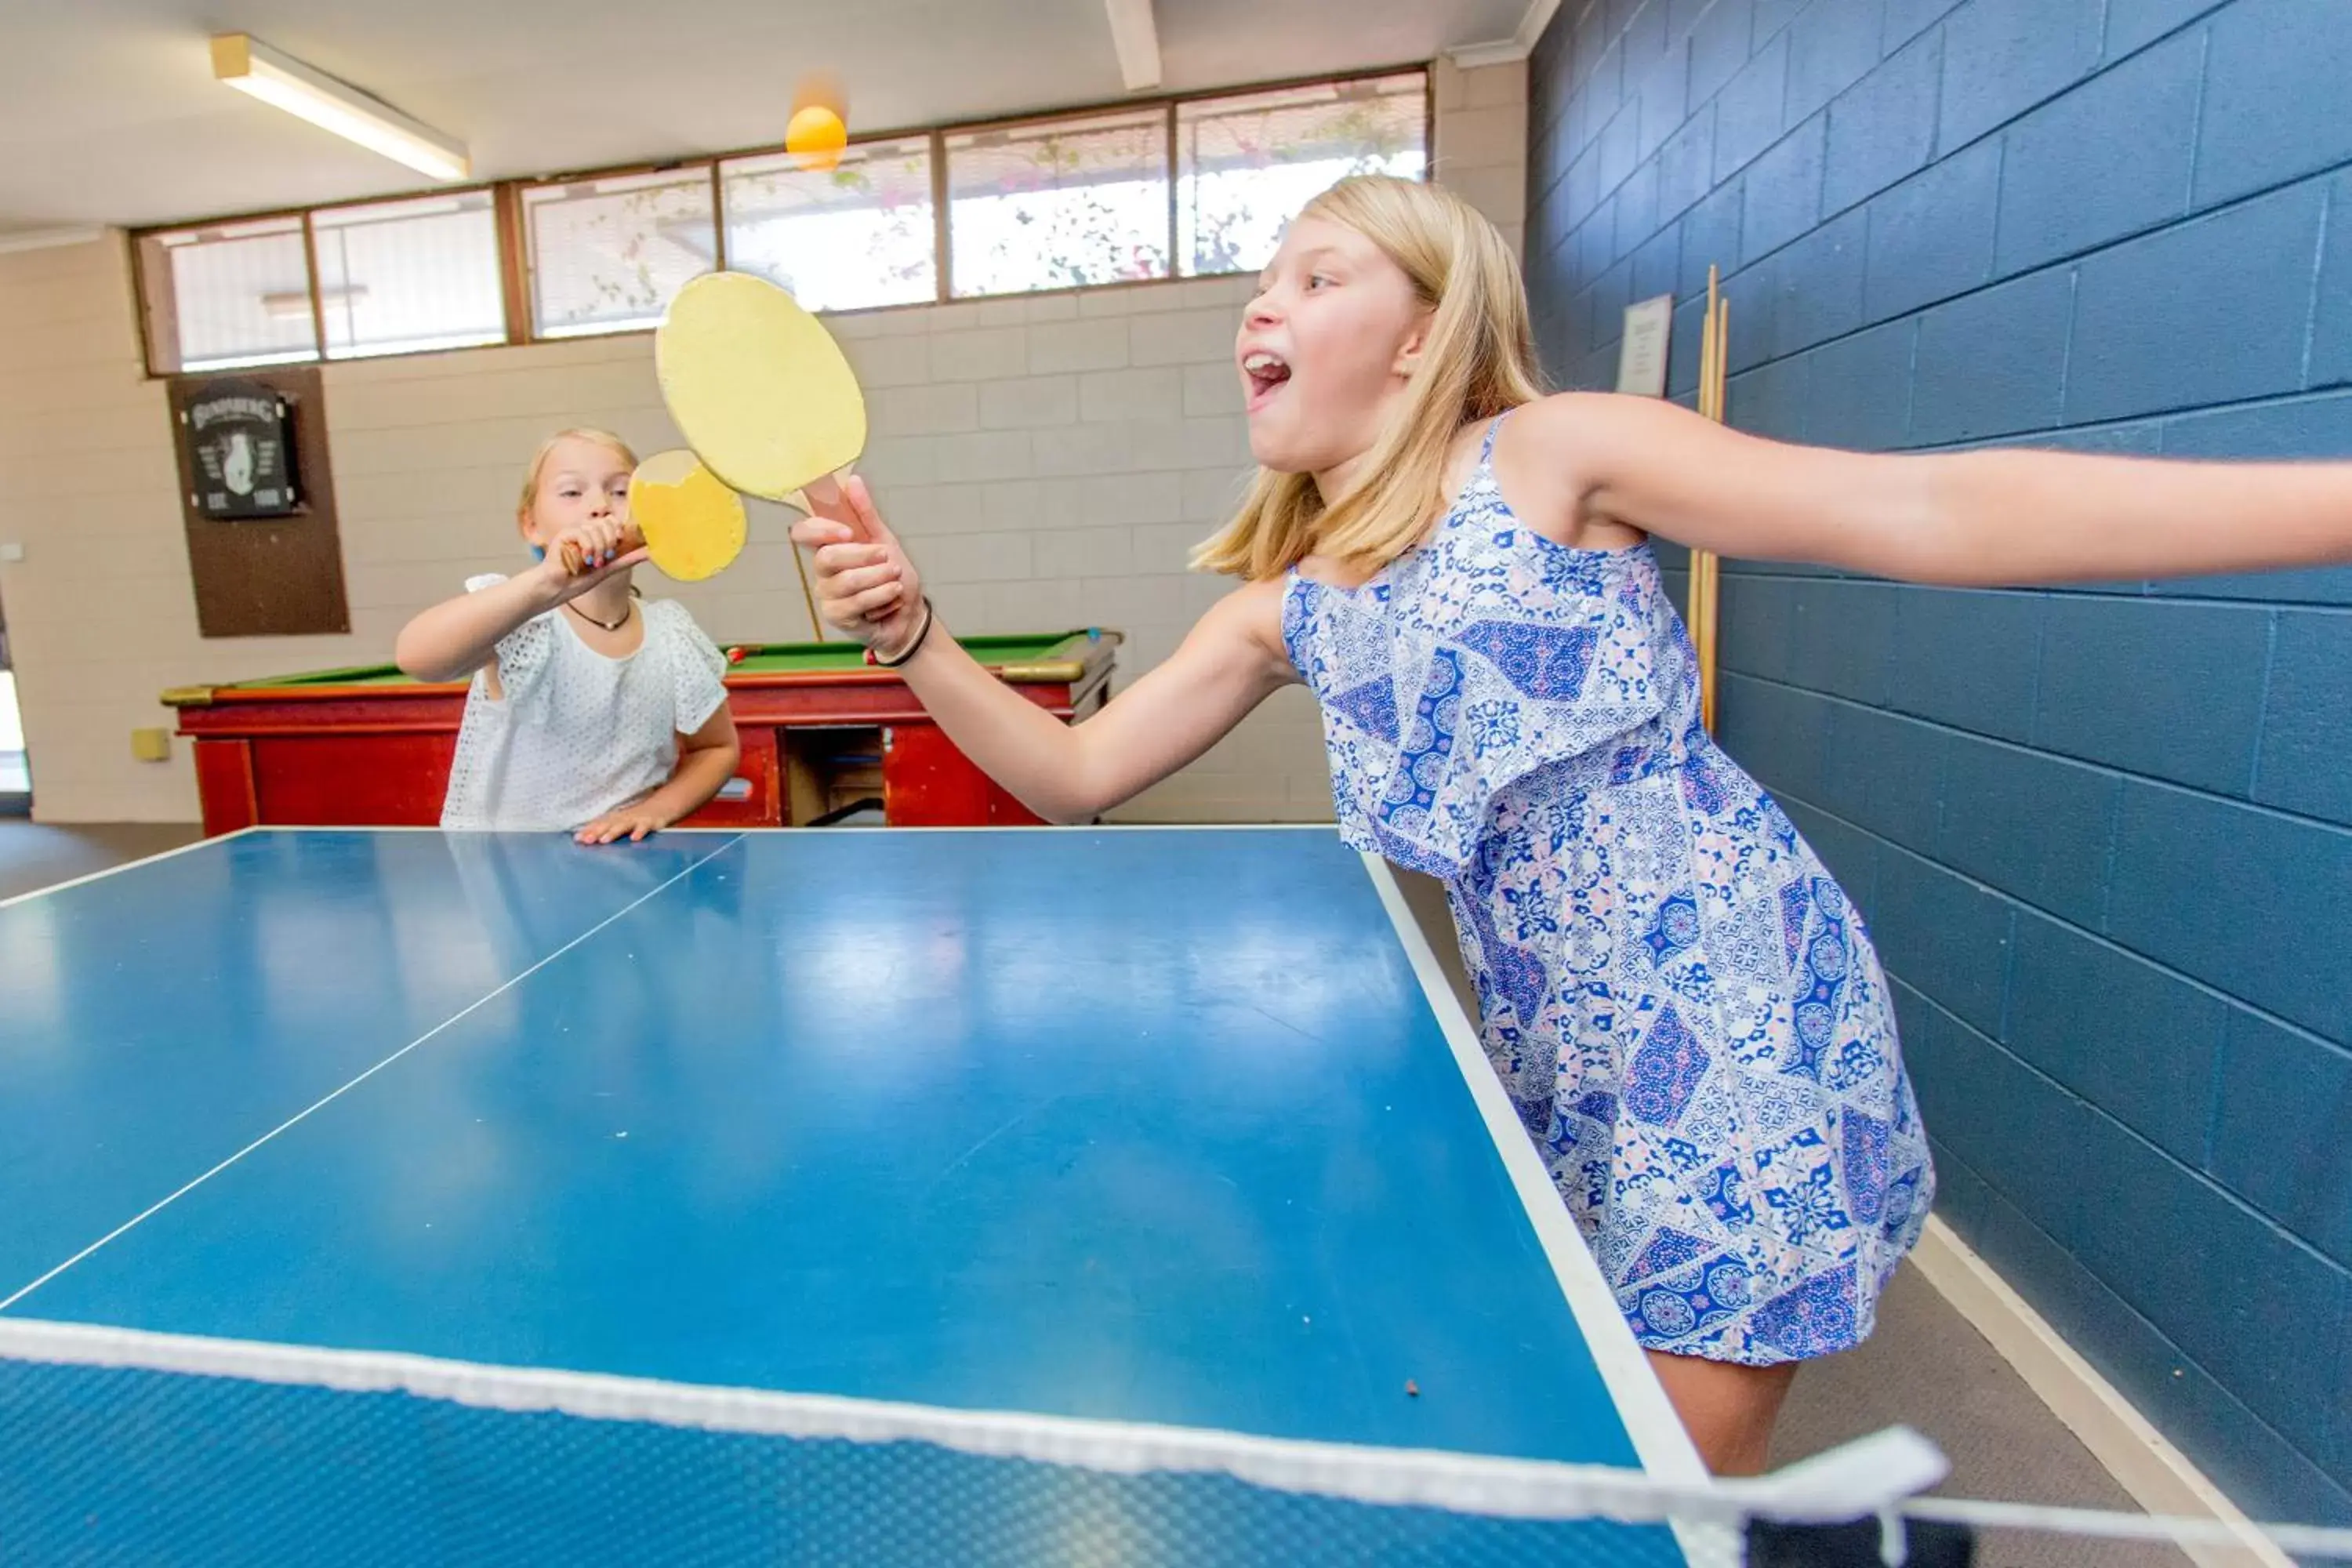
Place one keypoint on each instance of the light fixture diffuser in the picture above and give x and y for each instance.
(1135, 37)
(252, 66)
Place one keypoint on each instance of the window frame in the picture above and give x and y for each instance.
(311, 216)
(517, 283)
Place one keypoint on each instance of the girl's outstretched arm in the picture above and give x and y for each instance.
(1968, 519)
(1229, 663)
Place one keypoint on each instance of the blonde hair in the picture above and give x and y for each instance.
(1478, 361)
(531, 475)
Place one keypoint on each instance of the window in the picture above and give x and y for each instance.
(1058, 204)
(410, 277)
(607, 255)
(1247, 164)
(846, 238)
(238, 294)
(1192, 188)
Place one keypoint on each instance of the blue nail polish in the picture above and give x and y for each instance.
(538, 552)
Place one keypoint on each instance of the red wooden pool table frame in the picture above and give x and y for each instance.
(358, 755)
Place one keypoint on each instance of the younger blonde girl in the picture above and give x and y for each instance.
(592, 710)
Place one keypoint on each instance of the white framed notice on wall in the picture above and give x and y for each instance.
(1642, 357)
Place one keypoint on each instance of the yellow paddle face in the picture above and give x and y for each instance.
(693, 525)
(757, 385)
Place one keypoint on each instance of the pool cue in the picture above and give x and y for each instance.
(1722, 413)
(1705, 568)
(807, 598)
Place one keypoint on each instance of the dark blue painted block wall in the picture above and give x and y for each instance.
(2104, 836)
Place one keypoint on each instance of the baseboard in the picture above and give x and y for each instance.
(2160, 1478)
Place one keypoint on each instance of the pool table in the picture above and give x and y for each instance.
(823, 734)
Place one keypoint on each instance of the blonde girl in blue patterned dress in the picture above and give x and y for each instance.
(1681, 1001)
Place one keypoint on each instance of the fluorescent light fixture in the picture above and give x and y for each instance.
(294, 304)
(1137, 40)
(255, 68)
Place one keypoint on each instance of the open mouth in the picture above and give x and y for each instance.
(1267, 374)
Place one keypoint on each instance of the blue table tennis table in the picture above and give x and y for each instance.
(852, 1195)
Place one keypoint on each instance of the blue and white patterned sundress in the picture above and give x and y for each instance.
(1681, 1002)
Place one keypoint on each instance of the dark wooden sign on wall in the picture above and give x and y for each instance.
(258, 494)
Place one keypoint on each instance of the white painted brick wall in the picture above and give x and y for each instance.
(1499, 191)
(1110, 499)
(1481, 143)
(1086, 450)
(982, 356)
(934, 410)
(1183, 337)
(1029, 403)
(979, 558)
(1212, 388)
(1149, 394)
(1213, 493)
(1077, 346)
(888, 362)
(989, 454)
(1090, 552)
(1192, 443)
(1495, 134)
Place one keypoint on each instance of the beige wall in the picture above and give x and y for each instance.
(1481, 139)
(1050, 461)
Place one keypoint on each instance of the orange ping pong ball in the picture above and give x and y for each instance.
(815, 137)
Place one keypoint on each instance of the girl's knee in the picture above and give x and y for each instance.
(1729, 1410)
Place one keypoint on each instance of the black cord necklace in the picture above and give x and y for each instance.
(573, 606)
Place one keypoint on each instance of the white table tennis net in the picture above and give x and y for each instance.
(115, 1444)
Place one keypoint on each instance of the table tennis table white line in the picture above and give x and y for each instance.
(303, 1115)
(1658, 1435)
(126, 866)
(1877, 1472)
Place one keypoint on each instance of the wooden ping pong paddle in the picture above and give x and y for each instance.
(758, 387)
(761, 393)
(693, 525)
(690, 525)
(769, 406)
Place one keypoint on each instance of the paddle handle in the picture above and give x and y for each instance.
(575, 562)
(825, 493)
